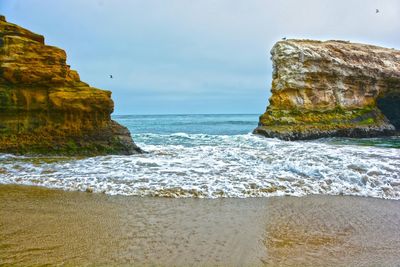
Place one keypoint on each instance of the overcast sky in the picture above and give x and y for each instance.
(203, 56)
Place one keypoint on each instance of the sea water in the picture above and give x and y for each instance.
(210, 156)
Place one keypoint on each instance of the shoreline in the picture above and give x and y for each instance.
(49, 226)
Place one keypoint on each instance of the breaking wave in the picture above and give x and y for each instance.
(211, 166)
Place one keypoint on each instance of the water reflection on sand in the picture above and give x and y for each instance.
(41, 226)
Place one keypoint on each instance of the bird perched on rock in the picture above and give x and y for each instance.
(284, 38)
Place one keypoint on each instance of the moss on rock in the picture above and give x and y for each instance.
(44, 106)
(331, 88)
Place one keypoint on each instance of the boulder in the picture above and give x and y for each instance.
(332, 88)
(44, 106)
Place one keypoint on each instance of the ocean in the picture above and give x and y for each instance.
(213, 156)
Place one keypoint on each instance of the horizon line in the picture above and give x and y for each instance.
(169, 114)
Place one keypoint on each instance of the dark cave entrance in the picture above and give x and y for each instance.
(390, 107)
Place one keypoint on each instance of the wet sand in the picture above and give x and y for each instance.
(40, 226)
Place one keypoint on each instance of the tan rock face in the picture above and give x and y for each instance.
(332, 88)
(45, 107)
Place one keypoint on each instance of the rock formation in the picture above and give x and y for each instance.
(45, 108)
(332, 88)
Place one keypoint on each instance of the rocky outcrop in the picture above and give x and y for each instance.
(44, 106)
(332, 88)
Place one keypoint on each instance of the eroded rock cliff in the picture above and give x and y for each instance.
(45, 108)
(332, 88)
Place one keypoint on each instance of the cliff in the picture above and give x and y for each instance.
(332, 88)
(44, 106)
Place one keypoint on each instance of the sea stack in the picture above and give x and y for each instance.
(44, 106)
(332, 88)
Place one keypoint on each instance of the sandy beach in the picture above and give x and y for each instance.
(41, 226)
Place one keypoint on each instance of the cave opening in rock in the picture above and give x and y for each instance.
(390, 107)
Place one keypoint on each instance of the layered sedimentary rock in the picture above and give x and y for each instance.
(332, 88)
(44, 106)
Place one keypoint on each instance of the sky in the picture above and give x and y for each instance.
(194, 57)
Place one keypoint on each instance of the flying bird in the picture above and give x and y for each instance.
(377, 11)
(111, 76)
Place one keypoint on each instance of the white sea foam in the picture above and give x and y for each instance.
(200, 165)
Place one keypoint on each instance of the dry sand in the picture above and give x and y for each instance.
(41, 226)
